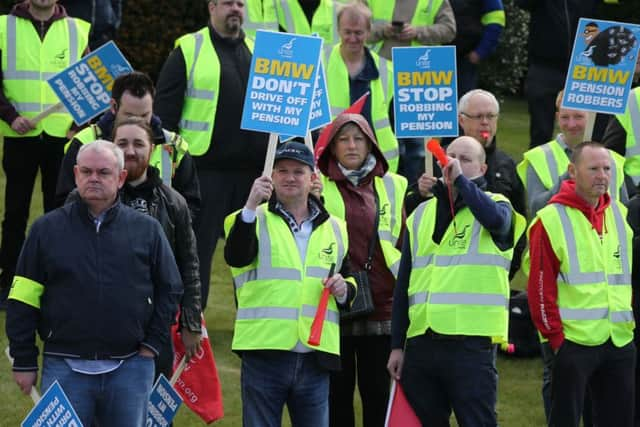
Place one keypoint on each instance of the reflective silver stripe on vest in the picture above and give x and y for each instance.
(622, 316)
(382, 123)
(584, 313)
(391, 154)
(613, 181)
(574, 276)
(418, 298)
(391, 195)
(166, 167)
(265, 266)
(550, 159)
(383, 71)
(288, 16)
(395, 267)
(72, 27)
(191, 91)
(338, 235)
(317, 272)
(473, 256)
(634, 114)
(468, 299)
(11, 71)
(284, 313)
(417, 219)
(310, 311)
(206, 95)
(273, 273)
(335, 111)
(30, 107)
(194, 125)
(422, 261)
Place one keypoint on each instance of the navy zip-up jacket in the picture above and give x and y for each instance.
(107, 288)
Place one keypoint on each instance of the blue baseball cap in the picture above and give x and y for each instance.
(293, 150)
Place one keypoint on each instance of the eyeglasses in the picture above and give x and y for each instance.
(489, 117)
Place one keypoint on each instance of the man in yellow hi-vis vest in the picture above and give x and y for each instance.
(452, 295)
(282, 255)
(580, 293)
(37, 41)
(201, 91)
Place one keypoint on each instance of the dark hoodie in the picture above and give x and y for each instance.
(360, 210)
(545, 266)
(8, 112)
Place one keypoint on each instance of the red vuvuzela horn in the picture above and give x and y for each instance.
(434, 147)
(318, 320)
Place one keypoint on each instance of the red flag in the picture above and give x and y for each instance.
(199, 385)
(399, 412)
(322, 142)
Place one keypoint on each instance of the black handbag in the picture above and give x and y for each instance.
(363, 302)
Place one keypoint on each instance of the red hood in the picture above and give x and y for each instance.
(567, 196)
(327, 163)
(22, 10)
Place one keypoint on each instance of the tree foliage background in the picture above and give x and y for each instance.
(150, 27)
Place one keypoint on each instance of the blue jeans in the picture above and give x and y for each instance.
(117, 398)
(441, 374)
(271, 379)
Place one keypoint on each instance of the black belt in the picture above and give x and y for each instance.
(436, 336)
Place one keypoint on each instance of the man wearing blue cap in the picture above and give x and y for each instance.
(282, 254)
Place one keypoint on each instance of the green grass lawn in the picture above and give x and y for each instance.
(519, 400)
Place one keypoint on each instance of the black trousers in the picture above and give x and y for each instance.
(222, 192)
(608, 373)
(364, 357)
(542, 86)
(23, 158)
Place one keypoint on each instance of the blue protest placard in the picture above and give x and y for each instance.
(164, 402)
(320, 107)
(85, 87)
(602, 64)
(53, 409)
(425, 100)
(281, 83)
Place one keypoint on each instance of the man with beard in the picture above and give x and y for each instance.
(201, 90)
(145, 192)
(132, 96)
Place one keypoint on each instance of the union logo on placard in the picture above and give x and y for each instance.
(423, 60)
(286, 50)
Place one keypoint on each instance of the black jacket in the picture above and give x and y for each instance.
(185, 180)
(553, 27)
(106, 288)
(170, 209)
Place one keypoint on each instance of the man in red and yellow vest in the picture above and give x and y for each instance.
(38, 40)
(580, 293)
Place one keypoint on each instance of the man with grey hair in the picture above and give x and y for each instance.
(99, 282)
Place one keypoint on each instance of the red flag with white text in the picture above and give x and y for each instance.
(199, 385)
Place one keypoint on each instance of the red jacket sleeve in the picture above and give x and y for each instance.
(542, 287)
